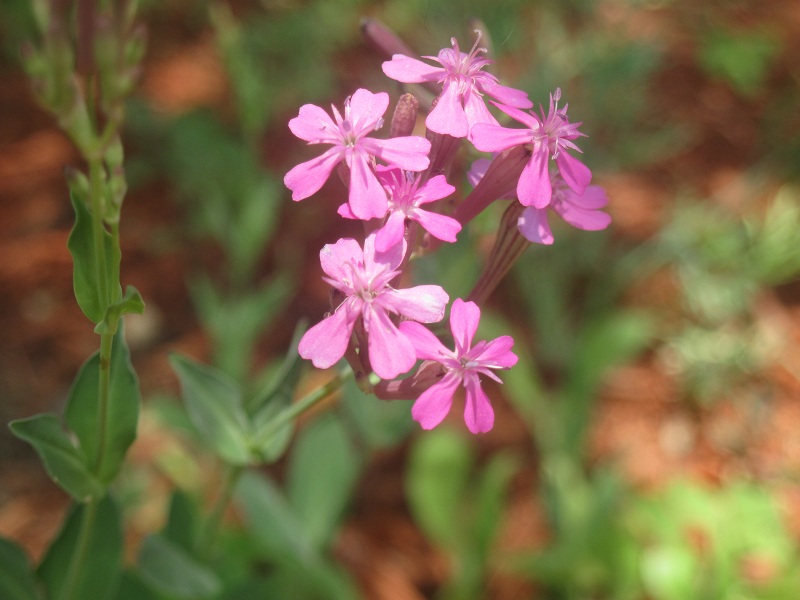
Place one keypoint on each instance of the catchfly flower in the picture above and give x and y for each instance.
(349, 137)
(462, 366)
(460, 104)
(549, 137)
(579, 210)
(406, 197)
(363, 277)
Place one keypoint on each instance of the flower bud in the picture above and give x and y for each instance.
(404, 118)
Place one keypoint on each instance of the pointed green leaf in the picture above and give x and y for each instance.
(183, 522)
(63, 460)
(131, 587)
(323, 467)
(131, 303)
(99, 577)
(16, 578)
(168, 568)
(121, 414)
(214, 404)
(85, 277)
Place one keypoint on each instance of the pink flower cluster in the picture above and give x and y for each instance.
(398, 187)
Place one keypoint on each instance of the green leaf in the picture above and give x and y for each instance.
(98, 578)
(272, 522)
(131, 587)
(436, 483)
(16, 578)
(214, 404)
(85, 277)
(183, 521)
(380, 424)
(64, 461)
(323, 468)
(169, 569)
(490, 502)
(121, 415)
(277, 396)
(131, 303)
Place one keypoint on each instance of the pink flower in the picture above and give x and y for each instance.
(462, 366)
(549, 136)
(348, 136)
(460, 105)
(406, 196)
(363, 276)
(579, 210)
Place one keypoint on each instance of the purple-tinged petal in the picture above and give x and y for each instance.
(409, 152)
(448, 116)
(432, 406)
(391, 233)
(507, 95)
(576, 174)
(464, 319)
(345, 212)
(390, 352)
(307, 178)
(593, 198)
(583, 218)
(534, 227)
(495, 353)
(367, 197)
(315, 126)
(410, 70)
(378, 261)
(426, 344)
(533, 187)
(493, 138)
(478, 411)
(326, 342)
(477, 170)
(424, 303)
(439, 226)
(366, 109)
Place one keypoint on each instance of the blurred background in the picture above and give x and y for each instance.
(648, 443)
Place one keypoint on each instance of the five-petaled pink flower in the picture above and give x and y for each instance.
(462, 366)
(348, 136)
(549, 136)
(460, 105)
(363, 276)
(406, 196)
(579, 210)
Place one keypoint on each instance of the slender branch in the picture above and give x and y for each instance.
(204, 542)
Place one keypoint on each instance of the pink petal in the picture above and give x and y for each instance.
(326, 342)
(583, 218)
(366, 109)
(434, 189)
(477, 170)
(391, 233)
(307, 178)
(390, 352)
(367, 197)
(345, 212)
(576, 174)
(533, 187)
(439, 226)
(478, 412)
(594, 197)
(496, 353)
(534, 227)
(377, 262)
(508, 95)
(410, 70)
(432, 406)
(476, 111)
(408, 152)
(334, 258)
(448, 116)
(464, 318)
(493, 138)
(528, 119)
(426, 345)
(424, 303)
(315, 126)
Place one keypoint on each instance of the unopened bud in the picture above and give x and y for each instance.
(404, 118)
(383, 39)
(78, 184)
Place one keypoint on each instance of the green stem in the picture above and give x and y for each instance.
(103, 392)
(70, 587)
(215, 517)
(290, 413)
